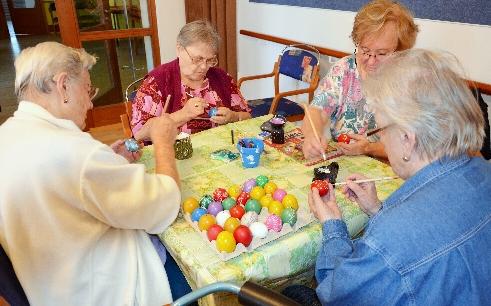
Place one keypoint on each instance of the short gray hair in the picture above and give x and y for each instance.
(36, 66)
(424, 92)
(199, 31)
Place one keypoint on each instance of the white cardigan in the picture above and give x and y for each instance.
(74, 216)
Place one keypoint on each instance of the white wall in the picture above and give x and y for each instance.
(331, 29)
(170, 19)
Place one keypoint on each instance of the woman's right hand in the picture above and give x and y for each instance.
(311, 147)
(160, 129)
(193, 108)
(365, 194)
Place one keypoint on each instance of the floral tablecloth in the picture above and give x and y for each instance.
(290, 258)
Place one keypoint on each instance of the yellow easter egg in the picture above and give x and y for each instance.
(225, 242)
(234, 191)
(275, 207)
(257, 193)
(231, 224)
(189, 205)
(266, 200)
(270, 187)
(290, 201)
(206, 221)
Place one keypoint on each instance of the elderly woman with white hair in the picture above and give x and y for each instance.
(76, 216)
(427, 244)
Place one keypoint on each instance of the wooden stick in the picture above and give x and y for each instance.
(370, 180)
(166, 105)
(307, 113)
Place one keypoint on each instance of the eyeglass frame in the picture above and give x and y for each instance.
(378, 130)
(197, 62)
(376, 56)
(93, 91)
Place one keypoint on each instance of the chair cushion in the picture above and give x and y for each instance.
(298, 64)
(260, 107)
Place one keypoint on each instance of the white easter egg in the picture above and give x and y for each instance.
(259, 229)
(222, 217)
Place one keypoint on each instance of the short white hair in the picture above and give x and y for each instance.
(425, 92)
(36, 66)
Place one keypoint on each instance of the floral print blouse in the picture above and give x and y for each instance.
(340, 96)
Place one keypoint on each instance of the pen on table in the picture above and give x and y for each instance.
(369, 180)
(307, 113)
(232, 136)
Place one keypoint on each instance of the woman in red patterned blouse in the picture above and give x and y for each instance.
(193, 83)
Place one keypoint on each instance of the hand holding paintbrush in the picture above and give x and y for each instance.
(314, 131)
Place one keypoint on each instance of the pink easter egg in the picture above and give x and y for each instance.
(279, 194)
(273, 222)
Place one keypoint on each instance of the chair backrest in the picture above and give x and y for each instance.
(486, 146)
(10, 288)
(131, 90)
(299, 63)
(129, 94)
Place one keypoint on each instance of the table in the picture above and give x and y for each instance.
(280, 262)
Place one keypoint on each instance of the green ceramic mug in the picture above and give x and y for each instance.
(183, 146)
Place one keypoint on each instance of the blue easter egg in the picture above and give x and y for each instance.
(212, 112)
(131, 145)
(197, 213)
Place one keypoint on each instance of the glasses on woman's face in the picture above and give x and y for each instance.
(93, 91)
(198, 60)
(366, 53)
(378, 130)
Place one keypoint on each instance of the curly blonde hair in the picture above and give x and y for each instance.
(372, 17)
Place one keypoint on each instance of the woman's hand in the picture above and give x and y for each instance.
(357, 146)
(158, 129)
(311, 147)
(365, 194)
(193, 108)
(324, 208)
(119, 148)
(224, 115)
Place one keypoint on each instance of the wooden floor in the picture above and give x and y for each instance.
(108, 133)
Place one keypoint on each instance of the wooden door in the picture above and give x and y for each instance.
(98, 29)
(27, 16)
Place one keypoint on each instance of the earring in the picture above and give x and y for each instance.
(405, 158)
(65, 100)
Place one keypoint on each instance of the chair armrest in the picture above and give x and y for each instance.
(126, 126)
(253, 77)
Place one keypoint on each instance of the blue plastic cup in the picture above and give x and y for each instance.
(250, 150)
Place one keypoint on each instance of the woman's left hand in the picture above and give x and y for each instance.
(223, 116)
(324, 208)
(357, 146)
(119, 148)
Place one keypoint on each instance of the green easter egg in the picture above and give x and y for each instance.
(261, 180)
(253, 205)
(227, 203)
(289, 216)
(205, 201)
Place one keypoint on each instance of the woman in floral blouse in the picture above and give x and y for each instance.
(193, 84)
(381, 27)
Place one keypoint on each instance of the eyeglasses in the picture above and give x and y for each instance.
(93, 91)
(210, 62)
(378, 130)
(366, 53)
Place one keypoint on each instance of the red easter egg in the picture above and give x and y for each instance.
(321, 185)
(242, 198)
(220, 194)
(213, 232)
(237, 211)
(242, 234)
(344, 138)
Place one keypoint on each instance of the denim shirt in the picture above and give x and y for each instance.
(430, 244)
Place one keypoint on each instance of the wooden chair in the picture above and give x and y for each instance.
(300, 62)
(129, 94)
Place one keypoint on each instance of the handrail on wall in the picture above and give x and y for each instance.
(483, 87)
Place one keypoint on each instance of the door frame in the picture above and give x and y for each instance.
(39, 27)
(73, 37)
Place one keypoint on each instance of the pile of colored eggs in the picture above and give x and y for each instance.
(232, 216)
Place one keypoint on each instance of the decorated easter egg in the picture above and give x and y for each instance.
(248, 185)
(321, 185)
(243, 198)
(259, 230)
(273, 222)
(234, 191)
(213, 232)
(231, 224)
(212, 112)
(279, 194)
(222, 217)
(228, 203)
(261, 180)
(243, 235)
(220, 194)
(237, 211)
(290, 200)
(344, 138)
(214, 208)
(289, 215)
(257, 192)
(253, 205)
(189, 205)
(131, 145)
(249, 217)
(205, 201)
(206, 221)
(225, 242)
(197, 213)
(275, 207)
(270, 187)
(266, 200)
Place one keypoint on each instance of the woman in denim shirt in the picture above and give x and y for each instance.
(428, 243)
